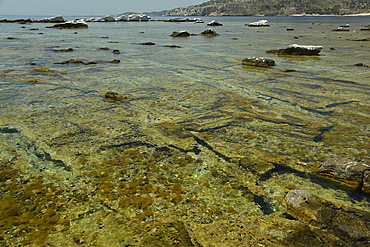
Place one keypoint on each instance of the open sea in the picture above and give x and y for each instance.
(196, 137)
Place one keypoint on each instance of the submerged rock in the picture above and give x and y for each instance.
(296, 198)
(115, 97)
(295, 49)
(349, 170)
(343, 225)
(258, 61)
(73, 61)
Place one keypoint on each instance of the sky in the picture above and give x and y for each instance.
(88, 7)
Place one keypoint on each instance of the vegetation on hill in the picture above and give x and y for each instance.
(274, 7)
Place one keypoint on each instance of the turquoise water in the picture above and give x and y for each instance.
(198, 137)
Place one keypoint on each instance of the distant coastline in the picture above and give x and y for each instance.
(40, 17)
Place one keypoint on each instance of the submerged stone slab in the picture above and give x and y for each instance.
(341, 224)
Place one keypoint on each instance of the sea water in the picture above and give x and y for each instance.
(196, 137)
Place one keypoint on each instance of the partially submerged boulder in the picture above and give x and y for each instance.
(295, 49)
(180, 34)
(209, 32)
(260, 23)
(258, 61)
(147, 43)
(214, 23)
(74, 24)
(341, 29)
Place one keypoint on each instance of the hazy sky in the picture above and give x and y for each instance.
(88, 7)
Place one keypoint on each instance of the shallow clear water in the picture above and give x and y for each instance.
(199, 137)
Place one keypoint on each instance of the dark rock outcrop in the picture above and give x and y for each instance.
(305, 50)
(341, 29)
(258, 61)
(147, 43)
(75, 24)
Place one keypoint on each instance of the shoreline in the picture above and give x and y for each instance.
(3, 18)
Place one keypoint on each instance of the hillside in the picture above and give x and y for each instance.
(273, 7)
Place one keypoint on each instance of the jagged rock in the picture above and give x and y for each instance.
(258, 61)
(214, 23)
(295, 49)
(349, 170)
(75, 24)
(180, 34)
(209, 32)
